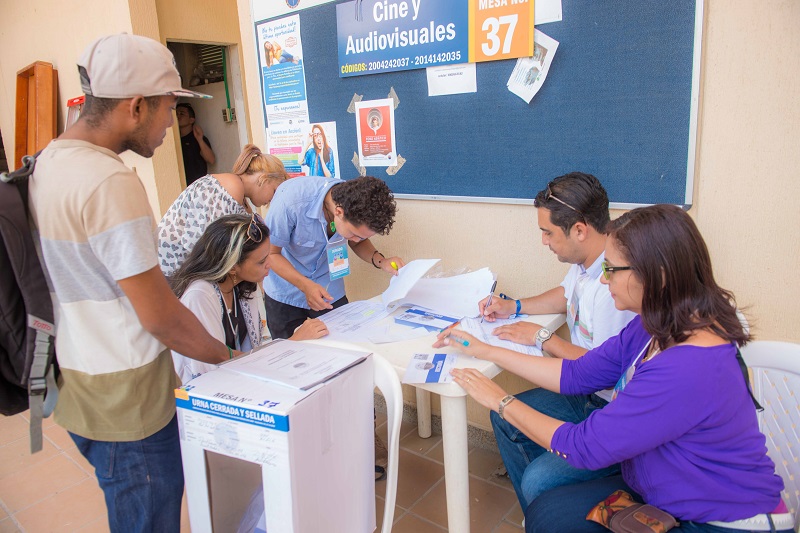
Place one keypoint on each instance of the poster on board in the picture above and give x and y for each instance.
(286, 143)
(283, 80)
(375, 36)
(376, 133)
(319, 155)
(530, 72)
(306, 149)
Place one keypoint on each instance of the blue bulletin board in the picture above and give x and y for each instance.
(620, 102)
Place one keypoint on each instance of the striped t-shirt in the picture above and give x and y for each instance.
(96, 227)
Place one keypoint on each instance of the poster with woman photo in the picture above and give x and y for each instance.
(283, 80)
(375, 130)
(319, 155)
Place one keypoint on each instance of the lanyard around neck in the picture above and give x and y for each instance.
(234, 323)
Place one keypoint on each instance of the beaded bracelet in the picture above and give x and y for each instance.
(373, 258)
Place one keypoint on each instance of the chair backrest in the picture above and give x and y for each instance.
(389, 384)
(776, 386)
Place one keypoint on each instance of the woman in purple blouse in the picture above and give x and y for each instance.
(682, 423)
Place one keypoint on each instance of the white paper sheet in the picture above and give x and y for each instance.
(352, 322)
(456, 296)
(405, 280)
(545, 11)
(452, 79)
(483, 332)
(530, 72)
(294, 364)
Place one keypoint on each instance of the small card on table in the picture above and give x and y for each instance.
(419, 316)
(430, 368)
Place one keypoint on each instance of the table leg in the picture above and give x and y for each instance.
(456, 467)
(423, 413)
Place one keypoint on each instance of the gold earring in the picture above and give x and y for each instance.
(233, 276)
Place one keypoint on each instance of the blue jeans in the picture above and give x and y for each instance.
(530, 467)
(142, 480)
(565, 509)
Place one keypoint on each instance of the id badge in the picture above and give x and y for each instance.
(338, 262)
(572, 314)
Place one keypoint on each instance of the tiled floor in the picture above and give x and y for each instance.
(55, 489)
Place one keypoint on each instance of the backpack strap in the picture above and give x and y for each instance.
(743, 367)
(42, 387)
(23, 172)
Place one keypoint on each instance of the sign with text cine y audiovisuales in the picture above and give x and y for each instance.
(386, 35)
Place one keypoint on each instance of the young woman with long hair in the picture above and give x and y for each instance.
(218, 282)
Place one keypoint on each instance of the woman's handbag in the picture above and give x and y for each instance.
(621, 514)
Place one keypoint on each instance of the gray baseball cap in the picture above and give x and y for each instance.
(125, 66)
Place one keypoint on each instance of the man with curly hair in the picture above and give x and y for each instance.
(309, 217)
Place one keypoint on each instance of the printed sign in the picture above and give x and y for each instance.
(387, 35)
(375, 130)
(280, 52)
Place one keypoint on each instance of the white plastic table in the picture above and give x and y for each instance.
(454, 408)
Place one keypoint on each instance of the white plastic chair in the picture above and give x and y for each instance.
(389, 384)
(776, 386)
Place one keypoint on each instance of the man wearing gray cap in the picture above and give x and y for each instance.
(117, 318)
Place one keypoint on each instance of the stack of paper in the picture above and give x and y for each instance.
(354, 321)
(294, 364)
(456, 296)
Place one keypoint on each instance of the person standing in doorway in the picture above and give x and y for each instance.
(196, 148)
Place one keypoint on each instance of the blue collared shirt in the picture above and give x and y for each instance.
(297, 224)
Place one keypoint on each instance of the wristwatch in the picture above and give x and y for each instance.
(542, 336)
(505, 401)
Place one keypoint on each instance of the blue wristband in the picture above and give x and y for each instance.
(519, 304)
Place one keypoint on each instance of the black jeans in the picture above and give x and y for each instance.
(283, 319)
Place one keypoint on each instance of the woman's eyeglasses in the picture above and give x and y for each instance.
(607, 269)
(253, 230)
(548, 195)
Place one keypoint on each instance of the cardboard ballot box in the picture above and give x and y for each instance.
(311, 451)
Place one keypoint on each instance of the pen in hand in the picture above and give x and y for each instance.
(489, 300)
(451, 326)
(457, 339)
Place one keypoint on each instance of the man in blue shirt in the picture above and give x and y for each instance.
(309, 217)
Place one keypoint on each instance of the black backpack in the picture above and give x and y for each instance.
(27, 333)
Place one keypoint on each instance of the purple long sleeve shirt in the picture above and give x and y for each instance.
(684, 428)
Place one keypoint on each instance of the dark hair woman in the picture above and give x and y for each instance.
(682, 421)
(218, 282)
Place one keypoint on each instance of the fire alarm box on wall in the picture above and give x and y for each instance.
(74, 108)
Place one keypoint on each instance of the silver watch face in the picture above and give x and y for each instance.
(544, 334)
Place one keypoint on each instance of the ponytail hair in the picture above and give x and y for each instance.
(253, 161)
